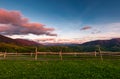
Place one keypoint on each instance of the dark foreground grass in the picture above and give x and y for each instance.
(82, 69)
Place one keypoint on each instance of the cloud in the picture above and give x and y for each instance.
(96, 31)
(46, 39)
(13, 22)
(86, 28)
(57, 40)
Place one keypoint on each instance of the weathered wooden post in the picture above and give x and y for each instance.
(100, 53)
(60, 54)
(31, 54)
(75, 53)
(4, 54)
(36, 53)
(95, 54)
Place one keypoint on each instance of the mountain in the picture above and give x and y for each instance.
(6, 39)
(21, 42)
(25, 42)
(105, 43)
(59, 44)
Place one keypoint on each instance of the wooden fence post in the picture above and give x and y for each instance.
(95, 54)
(100, 53)
(4, 54)
(60, 54)
(36, 53)
(75, 54)
(31, 54)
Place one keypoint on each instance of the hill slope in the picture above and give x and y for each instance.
(105, 43)
(21, 42)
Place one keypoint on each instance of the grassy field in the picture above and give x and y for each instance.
(57, 57)
(66, 69)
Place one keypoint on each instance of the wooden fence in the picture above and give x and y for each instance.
(60, 54)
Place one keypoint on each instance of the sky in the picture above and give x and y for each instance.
(60, 21)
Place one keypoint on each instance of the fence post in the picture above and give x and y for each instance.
(36, 53)
(60, 54)
(4, 54)
(100, 53)
(95, 54)
(31, 54)
(75, 54)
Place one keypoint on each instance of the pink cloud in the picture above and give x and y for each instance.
(63, 40)
(86, 28)
(46, 39)
(13, 22)
(57, 40)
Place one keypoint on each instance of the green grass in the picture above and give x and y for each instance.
(57, 57)
(77, 69)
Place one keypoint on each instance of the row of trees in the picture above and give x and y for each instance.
(14, 48)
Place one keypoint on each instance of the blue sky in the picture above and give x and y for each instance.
(69, 16)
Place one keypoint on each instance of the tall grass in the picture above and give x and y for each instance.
(82, 69)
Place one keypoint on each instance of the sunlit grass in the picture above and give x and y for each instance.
(78, 69)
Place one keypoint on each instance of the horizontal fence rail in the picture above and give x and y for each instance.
(60, 55)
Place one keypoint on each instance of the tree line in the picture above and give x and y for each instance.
(15, 48)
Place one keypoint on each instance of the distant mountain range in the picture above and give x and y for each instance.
(24, 42)
(105, 43)
(23, 45)
(21, 42)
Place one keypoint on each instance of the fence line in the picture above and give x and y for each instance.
(66, 53)
(60, 54)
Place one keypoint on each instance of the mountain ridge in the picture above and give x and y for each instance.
(21, 42)
(106, 43)
(24, 42)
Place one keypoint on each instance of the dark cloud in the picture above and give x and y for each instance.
(12, 22)
(86, 28)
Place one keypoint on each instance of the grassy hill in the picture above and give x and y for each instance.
(20, 42)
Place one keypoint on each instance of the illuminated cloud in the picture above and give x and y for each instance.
(86, 28)
(100, 36)
(57, 40)
(13, 22)
(46, 40)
